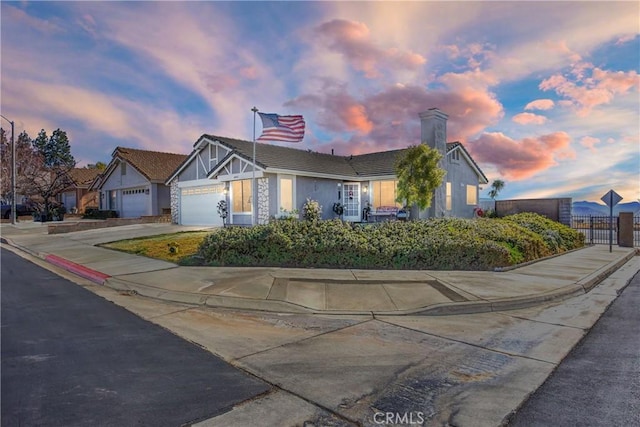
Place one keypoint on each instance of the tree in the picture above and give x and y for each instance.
(418, 175)
(25, 160)
(496, 186)
(49, 174)
(101, 166)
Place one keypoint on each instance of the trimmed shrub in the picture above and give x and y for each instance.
(93, 213)
(558, 237)
(434, 244)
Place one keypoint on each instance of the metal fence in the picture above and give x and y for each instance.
(596, 228)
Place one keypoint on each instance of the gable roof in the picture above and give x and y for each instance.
(83, 177)
(276, 157)
(153, 165)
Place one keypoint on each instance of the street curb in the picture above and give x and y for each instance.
(592, 280)
(207, 300)
(80, 270)
(581, 287)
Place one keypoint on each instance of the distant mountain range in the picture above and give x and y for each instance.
(594, 209)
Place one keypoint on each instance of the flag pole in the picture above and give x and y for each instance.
(254, 190)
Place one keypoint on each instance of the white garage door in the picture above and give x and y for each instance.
(199, 205)
(134, 203)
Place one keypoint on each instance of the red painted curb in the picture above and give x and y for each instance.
(80, 270)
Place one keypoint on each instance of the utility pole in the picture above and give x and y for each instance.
(14, 215)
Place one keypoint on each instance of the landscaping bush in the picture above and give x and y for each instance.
(434, 244)
(558, 237)
(93, 213)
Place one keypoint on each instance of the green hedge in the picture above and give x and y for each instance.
(434, 244)
(94, 213)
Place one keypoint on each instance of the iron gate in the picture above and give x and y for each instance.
(596, 228)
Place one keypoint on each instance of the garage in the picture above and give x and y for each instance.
(199, 205)
(134, 203)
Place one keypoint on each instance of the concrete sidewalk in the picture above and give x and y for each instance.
(323, 291)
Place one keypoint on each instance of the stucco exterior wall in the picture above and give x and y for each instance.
(324, 191)
(163, 201)
(116, 180)
(557, 209)
(460, 174)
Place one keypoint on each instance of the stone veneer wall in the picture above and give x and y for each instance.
(263, 200)
(175, 205)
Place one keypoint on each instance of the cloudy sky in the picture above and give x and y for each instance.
(545, 95)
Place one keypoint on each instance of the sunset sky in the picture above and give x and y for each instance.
(544, 95)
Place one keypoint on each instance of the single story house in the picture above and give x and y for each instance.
(77, 196)
(222, 168)
(133, 183)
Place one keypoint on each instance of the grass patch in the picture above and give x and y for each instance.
(167, 247)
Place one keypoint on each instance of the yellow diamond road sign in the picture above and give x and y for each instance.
(611, 198)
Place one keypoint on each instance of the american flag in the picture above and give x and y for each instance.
(281, 128)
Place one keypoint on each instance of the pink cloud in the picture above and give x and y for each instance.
(529, 119)
(353, 41)
(389, 119)
(585, 93)
(44, 26)
(590, 142)
(540, 104)
(517, 160)
(475, 54)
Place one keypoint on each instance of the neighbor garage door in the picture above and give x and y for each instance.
(199, 205)
(134, 203)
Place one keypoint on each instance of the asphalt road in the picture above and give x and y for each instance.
(71, 358)
(598, 383)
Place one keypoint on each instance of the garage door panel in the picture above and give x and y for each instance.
(199, 205)
(134, 203)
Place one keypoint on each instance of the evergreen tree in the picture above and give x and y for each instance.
(48, 175)
(418, 175)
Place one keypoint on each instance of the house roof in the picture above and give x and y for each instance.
(153, 165)
(83, 177)
(293, 159)
(277, 157)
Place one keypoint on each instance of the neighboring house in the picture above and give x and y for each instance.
(77, 196)
(133, 184)
(222, 169)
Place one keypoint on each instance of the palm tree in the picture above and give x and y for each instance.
(496, 186)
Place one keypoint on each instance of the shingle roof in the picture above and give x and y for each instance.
(277, 157)
(83, 176)
(153, 165)
(372, 164)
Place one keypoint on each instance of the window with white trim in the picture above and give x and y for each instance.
(285, 192)
(448, 197)
(384, 193)
(241, 194)
(472, 195)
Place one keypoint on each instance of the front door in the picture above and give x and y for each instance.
(351, 202)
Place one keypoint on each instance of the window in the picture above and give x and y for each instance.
(472, 195)
(123, 168)
(113, 197)
(241, 193)
(448, 197)
(286, 193)
(384, 193)
(455, 155)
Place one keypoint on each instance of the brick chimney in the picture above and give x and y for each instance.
(433, 123)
